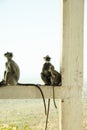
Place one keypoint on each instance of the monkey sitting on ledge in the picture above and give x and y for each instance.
(12, 72)
(49, 75)
(55, 76)
(45, 74)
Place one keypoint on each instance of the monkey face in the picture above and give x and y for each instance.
(47, 58)
(9, 55)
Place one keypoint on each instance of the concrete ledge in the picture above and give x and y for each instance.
(25, 92)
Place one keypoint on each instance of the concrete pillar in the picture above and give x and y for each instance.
(72, 64)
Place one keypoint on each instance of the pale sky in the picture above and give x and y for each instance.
(31, 30)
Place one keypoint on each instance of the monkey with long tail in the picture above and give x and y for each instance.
(12, 74)
(50, 77)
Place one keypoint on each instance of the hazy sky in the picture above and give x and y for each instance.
(31, 30)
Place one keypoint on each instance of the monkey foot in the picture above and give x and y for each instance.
(2, 83)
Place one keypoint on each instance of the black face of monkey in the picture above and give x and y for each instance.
(9, 55)
(47, 58)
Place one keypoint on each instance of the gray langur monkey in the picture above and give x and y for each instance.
(55, 76)
(12, 72)
(55, 80)
(50, 77)
(45, 74)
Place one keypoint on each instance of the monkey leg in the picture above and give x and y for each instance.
(46, 79)
(10, 79)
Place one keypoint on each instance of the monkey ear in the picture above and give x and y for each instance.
(11, 54)
(5, 54)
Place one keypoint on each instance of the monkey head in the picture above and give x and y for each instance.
(8, 55)
(47, 58)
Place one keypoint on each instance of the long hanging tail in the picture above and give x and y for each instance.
(38, 86)
(47, 114)
(54, 97)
